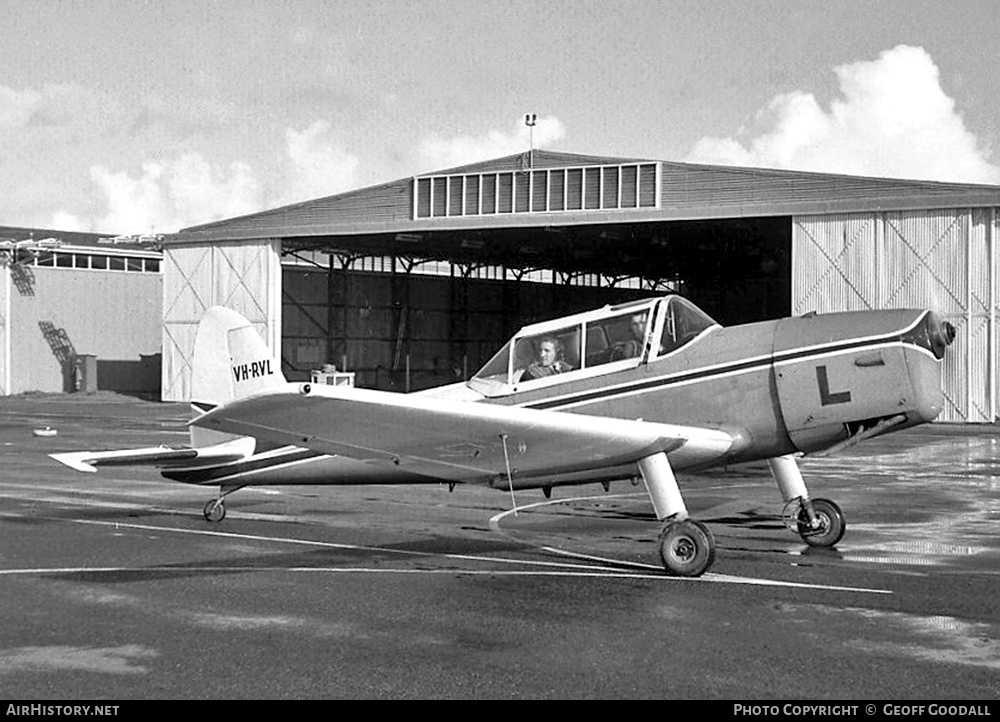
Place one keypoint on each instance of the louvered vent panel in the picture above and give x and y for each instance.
(455, 195)
(609, 190)
(439, 196)
(630, 186)
(592, 188)
(489, 193)
(574, 184)
(423, 203)
(647, 185)
(472, 184)
(540, 190)
(522, 189)
(505, 196)
(557, 190)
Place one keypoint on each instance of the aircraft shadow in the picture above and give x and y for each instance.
(387, 556)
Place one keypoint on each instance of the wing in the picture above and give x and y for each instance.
(456, 440)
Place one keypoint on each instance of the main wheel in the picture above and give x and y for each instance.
(687, 548)
(215, 510)
(831, 524)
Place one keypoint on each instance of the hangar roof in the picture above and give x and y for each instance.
(82, 240)
(548, 189)
(576, 213)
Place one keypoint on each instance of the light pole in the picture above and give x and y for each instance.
(530, 119)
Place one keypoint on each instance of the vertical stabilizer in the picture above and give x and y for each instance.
(230, 361)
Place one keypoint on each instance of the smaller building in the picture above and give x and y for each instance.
(79, 312)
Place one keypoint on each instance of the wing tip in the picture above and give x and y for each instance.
(76, 460)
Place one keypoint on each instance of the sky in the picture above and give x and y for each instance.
(148, 116)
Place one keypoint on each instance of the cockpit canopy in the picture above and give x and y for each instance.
(608, 339)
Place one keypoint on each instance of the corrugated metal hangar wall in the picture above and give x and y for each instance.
(244, 276)
(945, 260)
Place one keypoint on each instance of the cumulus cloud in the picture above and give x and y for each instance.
(439, 152)
(318, 166)
(199, 190)
(892, 119)
(168, 195)
(135, 205)
(68, 222)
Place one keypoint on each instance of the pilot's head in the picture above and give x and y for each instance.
(550, 350)
(638, 325)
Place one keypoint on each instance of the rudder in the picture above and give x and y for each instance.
(230, 361)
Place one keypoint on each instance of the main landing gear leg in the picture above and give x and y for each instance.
(215, 510)
(687, 547)
(819, 522)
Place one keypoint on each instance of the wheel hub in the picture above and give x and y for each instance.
(683, 549)
(820, 525)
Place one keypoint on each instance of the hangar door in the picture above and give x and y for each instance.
(944, 260)
(246, 277)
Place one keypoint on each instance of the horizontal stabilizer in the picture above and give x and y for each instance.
(159, 456)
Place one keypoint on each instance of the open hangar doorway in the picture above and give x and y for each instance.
(412, 311)
(737, 270)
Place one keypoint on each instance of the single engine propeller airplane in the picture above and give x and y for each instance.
(643, 389)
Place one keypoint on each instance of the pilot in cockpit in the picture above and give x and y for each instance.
(550, 360)
(632, 346)
(637, 326)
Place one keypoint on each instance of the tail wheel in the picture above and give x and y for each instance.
(829, 527)
(215, 510)
(687, 548)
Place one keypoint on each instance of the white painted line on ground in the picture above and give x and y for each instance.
(609, 574)
(322, 544)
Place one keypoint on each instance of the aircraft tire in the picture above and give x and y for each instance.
(832, 524)
(687, 548)
(215, 511)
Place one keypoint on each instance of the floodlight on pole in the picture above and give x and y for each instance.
(530, 119)
(11, 250)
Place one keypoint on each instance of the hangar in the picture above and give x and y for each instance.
(417, 281)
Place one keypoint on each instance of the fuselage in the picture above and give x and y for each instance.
(793, 385)
(796, 384)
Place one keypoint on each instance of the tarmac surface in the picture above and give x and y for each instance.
(114, 587)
